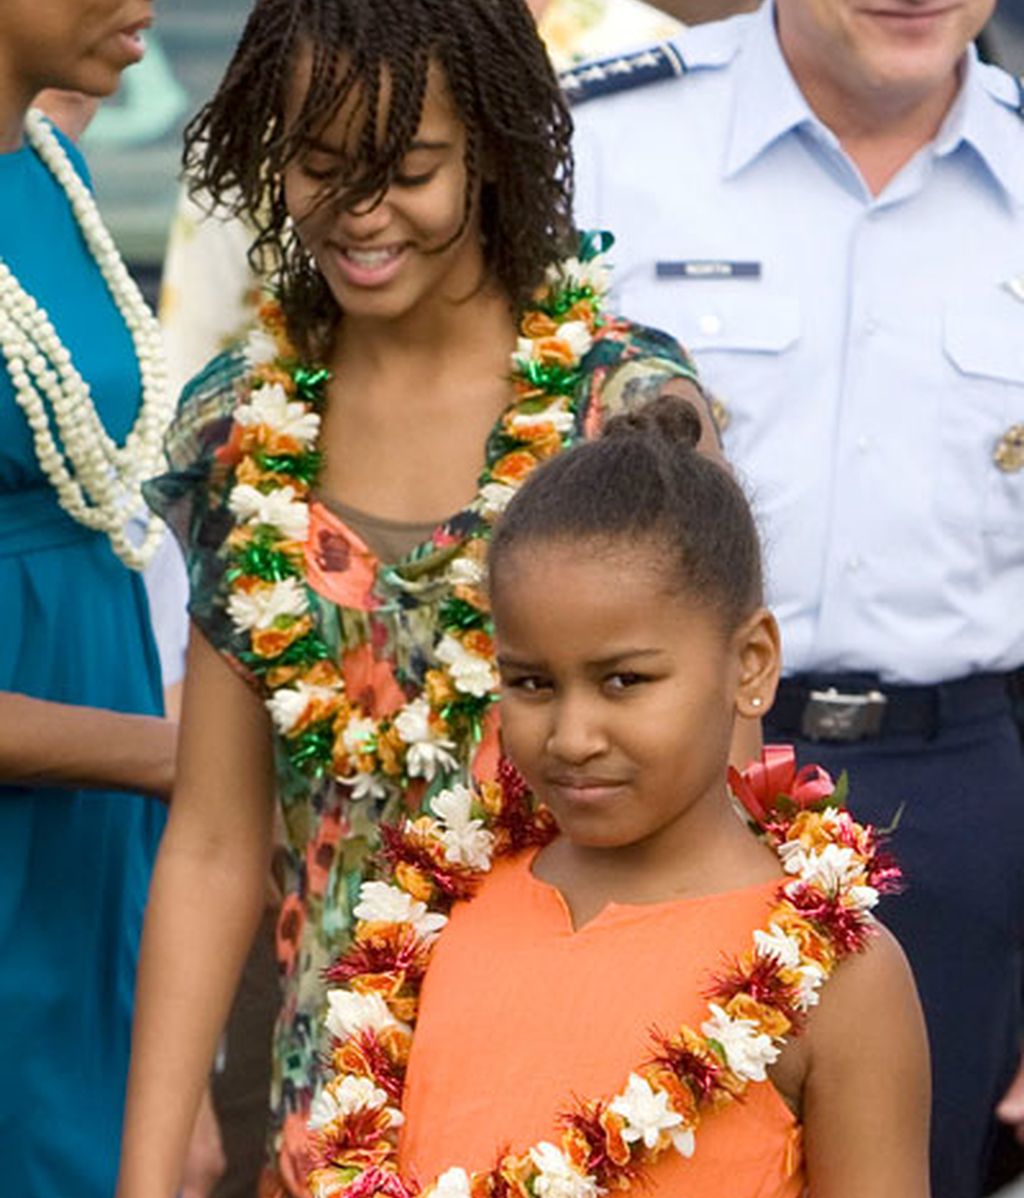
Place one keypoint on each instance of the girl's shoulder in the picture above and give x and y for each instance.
(206, 408)
(628, 365)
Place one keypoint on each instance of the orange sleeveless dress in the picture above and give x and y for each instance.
(520, 1013)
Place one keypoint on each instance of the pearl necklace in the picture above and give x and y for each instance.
(97, 481)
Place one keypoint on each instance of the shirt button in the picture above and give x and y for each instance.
(870, 327)
(710, 324)
(854, 563)
(863, 444)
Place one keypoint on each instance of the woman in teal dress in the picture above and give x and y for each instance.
(80, 726)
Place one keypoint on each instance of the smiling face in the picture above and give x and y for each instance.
(619, 691)
(80, 45)
(415, 245)
(903, 50)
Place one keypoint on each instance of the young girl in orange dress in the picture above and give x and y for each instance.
(638, 994)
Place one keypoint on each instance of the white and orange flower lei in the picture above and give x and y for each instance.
(821, 913)
(272, 452)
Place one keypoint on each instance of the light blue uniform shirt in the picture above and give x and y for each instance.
(871, 361)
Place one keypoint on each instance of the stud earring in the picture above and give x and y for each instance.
(756, 701)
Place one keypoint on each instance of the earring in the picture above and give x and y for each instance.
(756, 701)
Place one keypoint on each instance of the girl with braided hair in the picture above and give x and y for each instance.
(437, 332)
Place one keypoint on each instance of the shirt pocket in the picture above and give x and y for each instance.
(983, 339)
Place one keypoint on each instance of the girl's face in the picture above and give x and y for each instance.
(384, 260)
(82, 45)
(619, 693)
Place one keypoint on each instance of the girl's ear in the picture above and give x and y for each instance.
(759, 653)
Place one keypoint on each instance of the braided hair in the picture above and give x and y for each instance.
(378, 53)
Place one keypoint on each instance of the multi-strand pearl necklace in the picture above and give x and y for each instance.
(97, 481)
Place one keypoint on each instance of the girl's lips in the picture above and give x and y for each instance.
(133, 42)
(584, 790)
(369, 267)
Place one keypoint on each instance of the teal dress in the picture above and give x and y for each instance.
(74, 865)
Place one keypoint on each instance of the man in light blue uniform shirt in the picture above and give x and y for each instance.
(824, 201)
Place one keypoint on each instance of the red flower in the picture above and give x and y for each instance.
(378, 1183)
(763, 783)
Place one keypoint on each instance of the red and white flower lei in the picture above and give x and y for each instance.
(822, 913)
(272, 452)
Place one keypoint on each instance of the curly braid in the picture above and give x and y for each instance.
(518, 130)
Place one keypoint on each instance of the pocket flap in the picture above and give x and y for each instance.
(985, 336)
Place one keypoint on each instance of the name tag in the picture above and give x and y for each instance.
(707, 269)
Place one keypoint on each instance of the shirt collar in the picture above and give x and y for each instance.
(976, 118)
(762, 72)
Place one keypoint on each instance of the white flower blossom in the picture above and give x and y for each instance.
(271, 406)
(574, 333)
(574, 273)
(366, 786)
(647, 1115)
(288, 705)
(495, 497)
(831, 868)
(748, 1052)
(428, 753)
(260, 348)
(349, 1013)
(346, 1095)
(775, 943)
(863, 898)
(281, 508)
(454, 806)
(809, 981)
(260, 607)
(471, 674)
(380, 902)
(358, 732)
(466, 840)
(465, 571)
(555, 414)
(557, 1178)
(453, 1183)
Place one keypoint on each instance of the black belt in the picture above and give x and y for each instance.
(850, 707)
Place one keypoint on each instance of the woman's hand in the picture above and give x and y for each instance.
(205, 1161)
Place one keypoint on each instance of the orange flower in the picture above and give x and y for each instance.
(473, 596)
(438, 688)
(584, 310)
(545, 440)
(390, 750)
(616, 1147)
(812, 943)
(538, 324)
(273, 375)
(680, 1094)
(271, 642)
(517, 1172)
(414, 882)
(553, 351)
(514, 467)
(477, 641)
(281, 675)
(767, 1019)
(491, 798)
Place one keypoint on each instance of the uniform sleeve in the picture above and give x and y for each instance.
(192, 497)
(631, 365)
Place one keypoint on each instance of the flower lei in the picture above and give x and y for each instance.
(97, 481)
(272, 450)
(821, 914)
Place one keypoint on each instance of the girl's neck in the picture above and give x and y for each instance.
(427, 338)
(712, 854)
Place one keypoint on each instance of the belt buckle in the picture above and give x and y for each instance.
(836, 715)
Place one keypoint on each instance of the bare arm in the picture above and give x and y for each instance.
(867, 1089)
(59, 744)
(205, 902)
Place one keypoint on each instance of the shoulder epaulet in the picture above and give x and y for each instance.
(622, 72)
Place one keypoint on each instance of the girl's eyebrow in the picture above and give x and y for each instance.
(600, 663)
(422, 144)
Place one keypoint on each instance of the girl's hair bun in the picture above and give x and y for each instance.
(668, 418)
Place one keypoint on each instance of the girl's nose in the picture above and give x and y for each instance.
(576, 734)
(365, 219)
